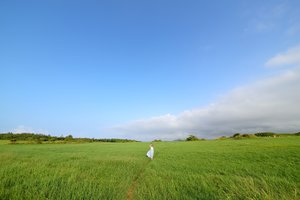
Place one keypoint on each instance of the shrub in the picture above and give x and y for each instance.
(38, 141)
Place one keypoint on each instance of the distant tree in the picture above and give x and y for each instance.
(248, 136)
(236, 135)
(69, 138)
(156, 140)
(192, 138)
(265, 134)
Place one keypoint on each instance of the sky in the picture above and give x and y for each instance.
(149, 69)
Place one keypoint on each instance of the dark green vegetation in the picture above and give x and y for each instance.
(259, 168)
(192, 138)
(262, 134)
(16, 138)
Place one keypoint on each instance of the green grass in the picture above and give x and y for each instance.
(262, 168)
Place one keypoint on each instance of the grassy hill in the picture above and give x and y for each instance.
(260, 168)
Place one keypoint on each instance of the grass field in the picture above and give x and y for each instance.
(263, 168)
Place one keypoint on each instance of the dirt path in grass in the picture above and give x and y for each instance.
(135, 181)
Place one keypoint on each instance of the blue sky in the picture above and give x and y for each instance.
(108, 68)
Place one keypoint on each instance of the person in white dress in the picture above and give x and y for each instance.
(150, 153)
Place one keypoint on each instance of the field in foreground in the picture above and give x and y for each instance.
(264, 168)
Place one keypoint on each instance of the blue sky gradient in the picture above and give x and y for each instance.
(81, 67)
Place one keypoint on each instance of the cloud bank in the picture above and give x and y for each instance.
(291, 57)
(26, 129)
(23, 129)
(271, 104)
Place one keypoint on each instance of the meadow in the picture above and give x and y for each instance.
(260, 168)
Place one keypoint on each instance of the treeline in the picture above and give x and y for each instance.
(41, 138)
(264, 134)
(245, 135)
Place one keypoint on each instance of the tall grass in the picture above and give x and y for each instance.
(264, 168)
(231, 169)
(70, 171)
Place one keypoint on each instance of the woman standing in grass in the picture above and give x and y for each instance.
(150, 153)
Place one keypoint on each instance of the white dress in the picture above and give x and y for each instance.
(150, 153)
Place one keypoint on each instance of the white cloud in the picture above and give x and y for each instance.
(26, 129)
(271, 104)
(291, 57)
(22, 129)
